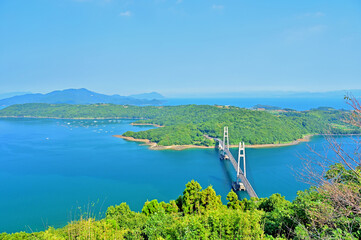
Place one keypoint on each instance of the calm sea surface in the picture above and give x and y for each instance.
(51, 171)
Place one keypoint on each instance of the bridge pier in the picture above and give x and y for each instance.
(238, 186)
(224, 156)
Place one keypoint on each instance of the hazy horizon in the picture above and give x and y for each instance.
(246, 94)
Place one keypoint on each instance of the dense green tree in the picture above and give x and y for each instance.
(125, 219)
(170, 207)
(191, 198)
(233, 202)
(152, 207)
(278, 216)
(209, 200)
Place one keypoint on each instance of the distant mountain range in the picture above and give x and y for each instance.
(12, 94)
(83, 96)
(150, 96)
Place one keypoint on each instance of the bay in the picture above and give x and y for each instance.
(52, 171)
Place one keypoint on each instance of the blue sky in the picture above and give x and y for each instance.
(180, 46)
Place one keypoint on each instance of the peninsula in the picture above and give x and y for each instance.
(180, 127)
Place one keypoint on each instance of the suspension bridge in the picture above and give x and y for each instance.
(241, 182)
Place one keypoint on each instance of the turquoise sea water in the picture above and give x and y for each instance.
(53, 170)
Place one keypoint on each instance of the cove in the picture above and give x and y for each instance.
(52, 171)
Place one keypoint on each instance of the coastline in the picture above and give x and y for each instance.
(306, 138)
(146, 124)
(80, 118)
(154, 146)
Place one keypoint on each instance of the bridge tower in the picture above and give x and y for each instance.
(225, 145)
(242, 154)
(225, 136)
(238, 186)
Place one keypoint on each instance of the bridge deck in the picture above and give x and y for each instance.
(240, 176)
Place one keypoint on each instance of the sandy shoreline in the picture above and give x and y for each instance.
(154, 146)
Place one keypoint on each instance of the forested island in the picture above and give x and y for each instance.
(317, 213)
(189, 124)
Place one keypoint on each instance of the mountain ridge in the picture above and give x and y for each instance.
(79, 96)
(150, 95)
